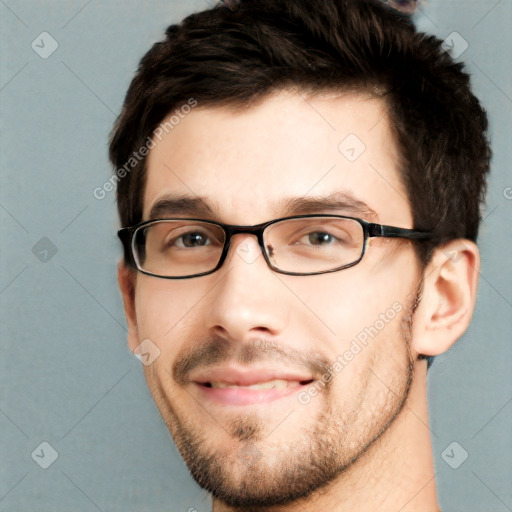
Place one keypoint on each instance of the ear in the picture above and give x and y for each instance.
(449, 296)
(127, 278)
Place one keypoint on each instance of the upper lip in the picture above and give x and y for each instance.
(247, 376)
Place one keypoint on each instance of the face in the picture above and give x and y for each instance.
(328, 356)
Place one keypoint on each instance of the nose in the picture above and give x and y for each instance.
(248, 301)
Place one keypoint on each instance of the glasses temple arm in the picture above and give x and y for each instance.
(376, 230)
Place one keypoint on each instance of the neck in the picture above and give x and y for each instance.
(395, 473)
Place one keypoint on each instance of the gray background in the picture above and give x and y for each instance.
(67, 376)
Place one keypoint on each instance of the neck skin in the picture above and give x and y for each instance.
(395, 474)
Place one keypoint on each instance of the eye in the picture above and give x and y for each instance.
(320, 238)
(315, 233)
(192, 239)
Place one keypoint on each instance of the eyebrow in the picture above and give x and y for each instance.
(182, 205)
(340, 202)
(337, 202)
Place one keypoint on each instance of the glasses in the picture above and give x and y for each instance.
(302, 245)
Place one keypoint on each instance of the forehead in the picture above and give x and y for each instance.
(249, 165)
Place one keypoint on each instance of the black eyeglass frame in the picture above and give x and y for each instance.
(370, 230)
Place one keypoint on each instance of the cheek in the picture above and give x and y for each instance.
(164, 311)
(342, 304)
(355, 315)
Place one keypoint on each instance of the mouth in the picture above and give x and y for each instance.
(236, 386)
(270, 384)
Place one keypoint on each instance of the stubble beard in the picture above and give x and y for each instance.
(252, 475)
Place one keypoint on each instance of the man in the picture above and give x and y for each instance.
(299, 190)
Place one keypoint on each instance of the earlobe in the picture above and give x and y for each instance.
(449, 297)
(126, 278)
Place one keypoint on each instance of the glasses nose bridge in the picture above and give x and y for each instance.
(257, 231)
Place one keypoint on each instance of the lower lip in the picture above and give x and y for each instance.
(247, 396)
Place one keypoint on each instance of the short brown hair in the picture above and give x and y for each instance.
(233, 58)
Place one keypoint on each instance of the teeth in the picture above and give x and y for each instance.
(271, 384)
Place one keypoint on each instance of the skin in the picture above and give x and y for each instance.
(363, 442)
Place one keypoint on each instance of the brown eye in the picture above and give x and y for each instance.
(194, 240)
(320, 238)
